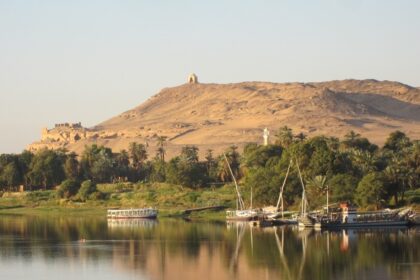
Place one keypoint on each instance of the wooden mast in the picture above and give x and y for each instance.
(280, 200)
(304, 201)
(240, 200)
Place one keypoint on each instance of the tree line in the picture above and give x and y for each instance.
(351, 169)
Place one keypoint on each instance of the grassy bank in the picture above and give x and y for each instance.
(171, 200)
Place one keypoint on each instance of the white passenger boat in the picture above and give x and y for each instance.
(349, 217)
(137, 213)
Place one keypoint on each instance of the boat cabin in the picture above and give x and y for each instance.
(349, 214)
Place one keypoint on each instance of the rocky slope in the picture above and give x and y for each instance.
(214, 116)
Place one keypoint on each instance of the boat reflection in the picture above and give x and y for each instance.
(175, 249)
(131, 223)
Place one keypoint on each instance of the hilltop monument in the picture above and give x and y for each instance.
(217, 116)
(192, 79)
(265, 136)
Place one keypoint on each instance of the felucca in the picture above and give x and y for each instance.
(240, 214)
(277, 212)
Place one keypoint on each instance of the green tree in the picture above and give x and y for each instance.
(284, 136)
(138, 154)
(189, 154)
(103, 168)
(98, 163)
(122, 165)
(364, 161)
(321, 158)
(24, 162)
(161, 142)
(265, 184)
(412, 161)
(260, 156)
(11, 175)
(71, 167)
(371, 190)
(343, 187)
(397, 141)
(158, 170)
(316, 188)
(68, 188)
(233, 159)
(46, 169)
(185, 170)
(211, 166)
(86, 189)
(353, 140)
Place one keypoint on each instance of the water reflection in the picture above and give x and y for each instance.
(131, 223)
(176, 249)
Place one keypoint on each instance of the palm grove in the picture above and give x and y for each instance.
(352, 169)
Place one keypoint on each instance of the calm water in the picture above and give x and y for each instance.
(89, 248)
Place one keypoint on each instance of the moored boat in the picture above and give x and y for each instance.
(242, 215)
(137, 213)
(349, 217)
(276, 214)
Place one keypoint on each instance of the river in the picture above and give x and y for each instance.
(51, 247)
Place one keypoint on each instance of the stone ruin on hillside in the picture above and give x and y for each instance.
(64, 132)
(69, 125)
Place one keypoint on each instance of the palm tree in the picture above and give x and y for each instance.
(233, 158)
(364, 160)
(351, 136)
(350, 139)
(138, 154)
(412, 161)
(317, 185)
(284, 136)
(161, 142)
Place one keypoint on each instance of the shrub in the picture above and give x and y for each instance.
(97, 196)
(68, 188)
(87, 188)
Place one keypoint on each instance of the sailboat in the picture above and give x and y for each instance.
(305, 219)
(277, 212)
(240, 214)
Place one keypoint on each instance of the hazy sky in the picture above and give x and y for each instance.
(90, 60)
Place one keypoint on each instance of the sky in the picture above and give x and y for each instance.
(87, 60)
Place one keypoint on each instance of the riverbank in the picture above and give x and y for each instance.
(171, 200)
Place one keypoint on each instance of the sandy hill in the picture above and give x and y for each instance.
(214, 116)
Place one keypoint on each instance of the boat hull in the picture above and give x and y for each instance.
(133, 217)
(124, 214)
(362, 224)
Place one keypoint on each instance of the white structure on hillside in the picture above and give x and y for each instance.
(192, 79)
(265, 136)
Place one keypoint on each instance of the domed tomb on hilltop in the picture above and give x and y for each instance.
(192, 79)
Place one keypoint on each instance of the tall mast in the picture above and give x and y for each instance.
(280, 200)
(240, 200)
(304, 201)
(251, 198)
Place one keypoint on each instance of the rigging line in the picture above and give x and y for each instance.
(282, 187)
(241, 202)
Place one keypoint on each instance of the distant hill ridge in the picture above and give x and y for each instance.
(214, 116)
